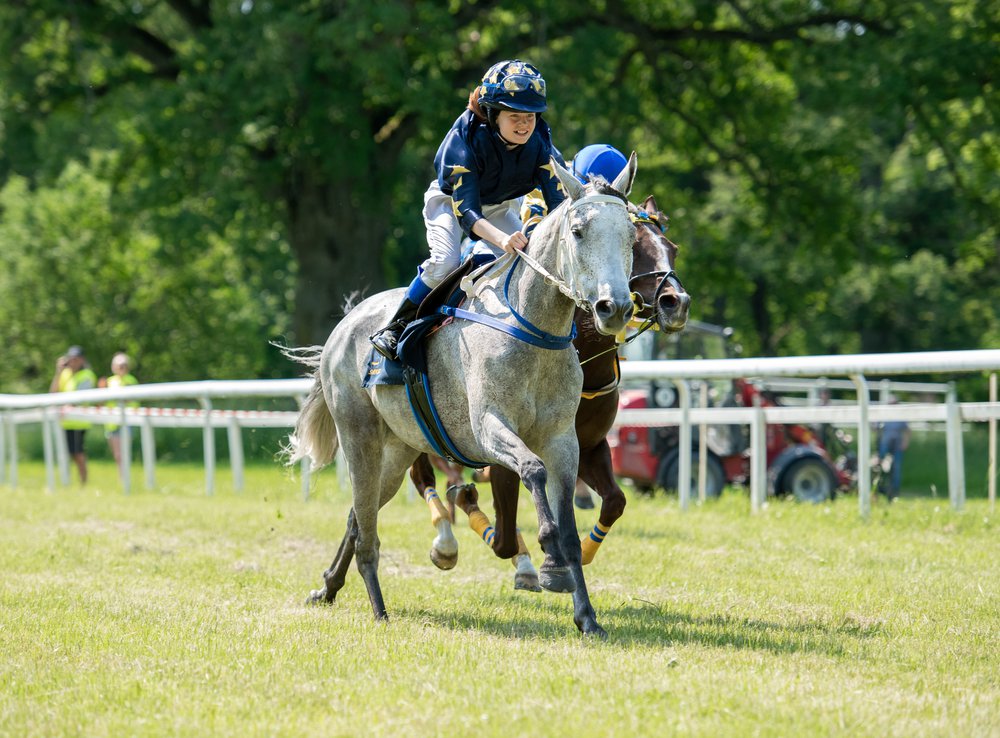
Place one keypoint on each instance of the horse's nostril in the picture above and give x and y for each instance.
(668, 302)
(673, 302)
(604, 308)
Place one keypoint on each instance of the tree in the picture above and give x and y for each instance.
(766, 129)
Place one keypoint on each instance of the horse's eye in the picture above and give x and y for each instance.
(577, 232)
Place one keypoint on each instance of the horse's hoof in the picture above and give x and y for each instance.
(462, 495)
(527, 581)
(557, 579)
(583, 502)
(318, 597)
(444, 561)
(593, 630)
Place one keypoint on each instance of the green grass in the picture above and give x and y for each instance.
(171, 613)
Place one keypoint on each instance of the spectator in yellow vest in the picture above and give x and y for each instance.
(120, 377)
(73, 372)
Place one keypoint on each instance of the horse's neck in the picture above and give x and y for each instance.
(541, 303)
(597, 353)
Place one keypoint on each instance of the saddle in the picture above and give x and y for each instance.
(411, 368)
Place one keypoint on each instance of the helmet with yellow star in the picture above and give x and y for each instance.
(513, 85)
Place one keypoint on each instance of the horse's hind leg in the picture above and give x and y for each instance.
(333, 577)
(466, 497)
(444, 549)
(596, 470)
(374, 483)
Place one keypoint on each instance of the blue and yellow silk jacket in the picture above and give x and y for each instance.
(474, 167)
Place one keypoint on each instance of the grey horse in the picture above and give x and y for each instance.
(502, 400)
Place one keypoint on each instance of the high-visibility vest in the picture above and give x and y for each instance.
(120, 381)
(69, 382)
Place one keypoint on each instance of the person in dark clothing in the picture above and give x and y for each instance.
(498, 150)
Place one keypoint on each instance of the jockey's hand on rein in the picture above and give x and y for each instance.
(514, 240)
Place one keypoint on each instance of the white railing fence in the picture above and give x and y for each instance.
(48, 409)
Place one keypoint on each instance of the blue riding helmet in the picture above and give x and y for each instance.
(513, 85)
(599, 159)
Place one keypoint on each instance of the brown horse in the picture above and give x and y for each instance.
(660, 300)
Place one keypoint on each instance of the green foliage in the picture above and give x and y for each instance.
(72, 273)
(811, 156)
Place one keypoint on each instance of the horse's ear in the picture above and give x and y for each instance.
(571, 185)
(623, 182)
(650, 205)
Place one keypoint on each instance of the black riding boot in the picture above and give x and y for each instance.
(385, 339)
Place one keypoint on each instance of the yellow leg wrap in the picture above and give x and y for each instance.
(593, 541)
(522, 548)
(481, 524)
(438, 510)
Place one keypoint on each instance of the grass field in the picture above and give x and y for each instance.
(168, 613)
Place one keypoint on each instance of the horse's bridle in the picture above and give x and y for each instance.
(640, 217)
(666, 275)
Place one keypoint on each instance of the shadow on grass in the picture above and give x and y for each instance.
(654, 626)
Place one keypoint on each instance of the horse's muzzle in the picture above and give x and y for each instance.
(672, 310)
(611, 316)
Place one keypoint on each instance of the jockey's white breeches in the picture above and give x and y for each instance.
(444, 234)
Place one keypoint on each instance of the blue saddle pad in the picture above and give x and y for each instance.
(379, 370)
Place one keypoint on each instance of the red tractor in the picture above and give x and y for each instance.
(797, 461)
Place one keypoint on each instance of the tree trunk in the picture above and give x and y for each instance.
(338, 237)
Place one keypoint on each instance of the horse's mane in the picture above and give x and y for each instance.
(604, 187)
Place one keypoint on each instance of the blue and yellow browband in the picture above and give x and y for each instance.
(643, 216)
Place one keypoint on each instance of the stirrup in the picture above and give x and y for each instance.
(386, 340)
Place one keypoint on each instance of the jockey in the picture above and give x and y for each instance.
(497, 151)
(593, 160)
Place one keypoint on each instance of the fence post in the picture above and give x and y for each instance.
(684, 445)
(3, 448)
(125, 446)
(62, 453)
(12, 448)
(208, 443)
(306, 464)
(991, 466)
(236, 452)
(47, 451)
(148, 451)
(956, 456)
(758, 457)
(864, 447)
(703, 446)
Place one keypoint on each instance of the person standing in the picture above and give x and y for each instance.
(73, 373)
(120, 377)
(893, 441)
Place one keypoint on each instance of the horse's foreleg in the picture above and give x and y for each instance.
(596, 470)
(444, 549)
(333, 578)
(510, 451)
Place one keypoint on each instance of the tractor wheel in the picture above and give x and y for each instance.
(716, 476)
(809, 480)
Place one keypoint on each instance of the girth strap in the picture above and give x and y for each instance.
(418, 392)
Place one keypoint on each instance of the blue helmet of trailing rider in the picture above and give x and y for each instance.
(513, 85)
(598, 159)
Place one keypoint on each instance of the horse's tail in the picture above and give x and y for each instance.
(315, 434)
